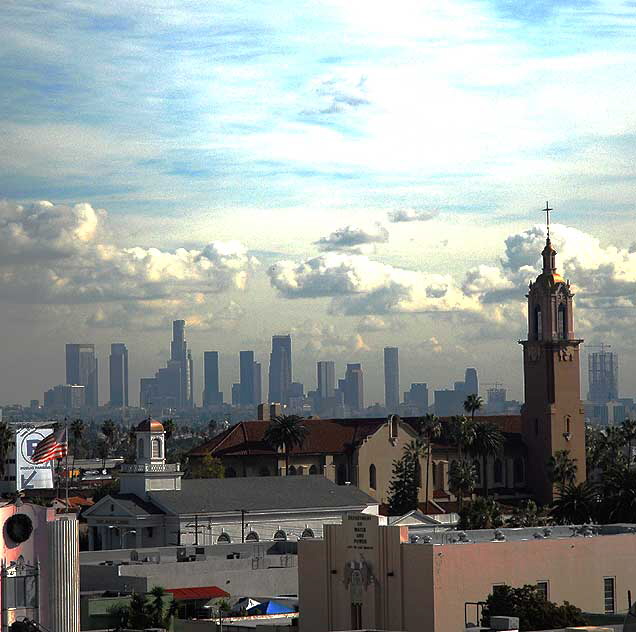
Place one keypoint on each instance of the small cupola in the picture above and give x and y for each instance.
(150, 438)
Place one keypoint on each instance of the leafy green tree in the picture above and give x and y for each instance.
(628, 430)
(487, 441)
(562, 469)
(428, 429)
(481, 513)
(461, 480)
(168, 428)
(139, 614)
(205, 467)
(525, 514)
(6, 438)
(613, 448)
(575, 504)
(286, 432)
(77, 432)
(212, 427)
(594, 440)
(403, 488)
(535, 612)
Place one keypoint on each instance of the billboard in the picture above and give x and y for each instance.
(29, 475)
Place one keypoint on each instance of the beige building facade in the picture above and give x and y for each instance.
(366, 576)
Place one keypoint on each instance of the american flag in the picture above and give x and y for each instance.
(55, 446)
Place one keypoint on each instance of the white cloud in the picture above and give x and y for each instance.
(354, 239)
(319, 338)
(411, 215)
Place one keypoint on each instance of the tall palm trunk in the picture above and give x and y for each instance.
(485, 474)
(428, 469)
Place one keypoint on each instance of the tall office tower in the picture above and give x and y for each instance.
(280, 369)
(246, 372)
(471, 383)
(417, 396)
(81, 368)
(190, 380)
(258, 384)
(118, 365)
(211, 393)
(326, 373)
(602, 376)
(391, 379)
(354, 387)
(179, 354)
(236, 394)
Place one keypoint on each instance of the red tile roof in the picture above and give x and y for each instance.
(202, 592)
(325, 436)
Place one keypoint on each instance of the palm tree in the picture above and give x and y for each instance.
(286, 432)
(6, 438)
(488, 441)
(429, 428)
(562, 469)
(526, 514)
(613, 452)
(594, 439)
(628, 430)
(169, 428)
(481, 513)
(619, 495)
(575, 504)
(77, 431)
(108, 430)
(462, 433)
(472, 404)
(461, 480)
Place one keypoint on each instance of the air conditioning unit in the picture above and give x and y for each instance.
(504, 623)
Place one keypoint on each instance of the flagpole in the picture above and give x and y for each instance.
(67, 472)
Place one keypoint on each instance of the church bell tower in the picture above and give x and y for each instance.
(552, 415)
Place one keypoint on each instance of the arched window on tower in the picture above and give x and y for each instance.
(156, 448)
(537, 325)
(372, 477)
(562, 322)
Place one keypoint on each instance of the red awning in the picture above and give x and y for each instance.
(203, 592)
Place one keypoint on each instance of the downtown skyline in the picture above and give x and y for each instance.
(382, 192)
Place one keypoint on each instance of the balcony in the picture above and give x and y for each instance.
(140, 468)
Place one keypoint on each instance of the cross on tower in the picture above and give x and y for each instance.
(547, 210)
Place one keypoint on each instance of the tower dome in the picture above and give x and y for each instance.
(150, 425)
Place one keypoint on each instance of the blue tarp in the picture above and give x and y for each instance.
(271, 607)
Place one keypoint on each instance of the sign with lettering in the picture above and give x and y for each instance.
(30, 475)
(361, 532)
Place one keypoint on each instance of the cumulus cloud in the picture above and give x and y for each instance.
(360, 285)
(411, 215)
(62, 254)
(355, 239)
(338, 93)
(320, 337)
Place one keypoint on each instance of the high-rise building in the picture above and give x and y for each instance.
(326, 373)
(391, 379)
(118, 373)
(280, 369)
(246, 372)
(180, 354)
(211, 393)
(258, 384)
(354, 387)
(81, 369)
(602, 376)
(236, 394)
(417, 396)
(471, 382)
(65, 397)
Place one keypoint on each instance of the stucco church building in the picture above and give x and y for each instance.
(360, 452)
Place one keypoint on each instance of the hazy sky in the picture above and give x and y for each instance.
(360, 174)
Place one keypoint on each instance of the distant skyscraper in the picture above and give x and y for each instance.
(471, 383)
(280, 369)
(354, 387)
(326, 373)
(391, 379)
(258, 384)
(417, 396)
(236, 394)
(211, 393)
(179, 354)
(246, 371)
(118, 372)
(602, 376)
(65, 397)
(81, 369)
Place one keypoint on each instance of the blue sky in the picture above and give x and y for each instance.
(274, 124)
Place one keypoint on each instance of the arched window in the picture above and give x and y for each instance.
(252, 536)
(280, 535)
(562, 322)
(393, 427)
(341, 474)
(264, 471)
(300, 471)
(308, 533)
(519, 469)
(291, 471)
(372, 477)
(434, 472)
(567, 425)
(224, 538)
(537, 327)
(156, 448)
(477, 468)
(313, 470)
(230, 472)
(498, 472)
(140, 448)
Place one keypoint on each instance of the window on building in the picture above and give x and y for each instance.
(341, 474)
(498, 472)
(230, 472)
(356, 616)
(567, 425)
(252, 536)
(292, 471)
(393, 427)
(156, 448)
(308, 533)
(519, 469)
(20, 592)
(538, 323)
(609, 595)
(150, 531)
(300, 471)
(562, 322)
(543, 589)
(497, 588)
(264, 471)
(313, 470)
(224, 538)
(434, 472)
(372, 476)
(280, 535)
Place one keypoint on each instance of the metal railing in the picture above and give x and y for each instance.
(150, 467)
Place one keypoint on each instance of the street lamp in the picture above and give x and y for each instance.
(243, 512)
